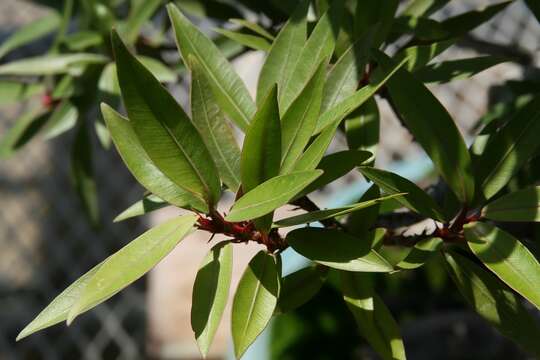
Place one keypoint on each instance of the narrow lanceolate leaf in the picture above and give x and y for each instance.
(251, 41)
(318, 47)
(335, 166)
(522, 205)
(509, 149)
(300, 287)
(374, 320)
(261, 151)
(339, 250)
(50, 64)
(433, 129)
(418, 8)
(142, 207)
(12, 92)
(352, 102)
(494, 302)
(131, 262)
(214, 128)
(420, 55)
(228, 88)
(361, 221)
(284, 52)
(82, 174)
(447, 71)
(28, 33)
(254, 301)
(311, 158)
(299, 121)
(416, 199)
(210, 294)
(164, 130)
(141, 166)
(57, 311)
(318, 215)
(509, 259)
(256, 28)
(362, 127)
(140, 12)
(62, 119)
(271, 194)
(24, 130)
(421, 253)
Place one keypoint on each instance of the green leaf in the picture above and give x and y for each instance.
(83, 40)
(28, 33)
(103, 135)
(421, 253)
(509, 259)
(300, 287)
(374, 320)
(339, 250)
(284, 52)
(63, 118)
(214, 128)
(142, 167)
(352, 102)
(12, 92)
(361, 221)
(142, 207)
(318, 47)
(447, 71)
(299, 121)
(261, 151)
(256, 28)
(362, 127)
(433, 129)
(57, 311)
(254, 301)
(140, 12)
(131, 262)
(164, 130)
(82, 174)
(423, 7)
(509, 149)
(376, 16)
(316, 150)
(50, 64)
(228, 88)
(24, 130)
(335, 166)
(271, 194)
(251, 41)
(419, 55)
(522, 205)
(494, 302)
(210, 294)
(415, 199)
(318, 215)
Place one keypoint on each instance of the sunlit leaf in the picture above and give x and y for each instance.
(62, 119)
(421, 253)
(311, 158)
(50, 64)
(142, 207)
(522, 205)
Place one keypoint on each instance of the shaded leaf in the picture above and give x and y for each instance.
(362, 127)
(131, 262)
(361, 221)
(509, 259)
(210, 294)
(142, 207)
(251, 41)
(83, 40)
(24, 130)
(339, 250)
(256, 28)
(254, 301)
(522, 205)
(420, 55)
(300, 287)
(271, 194)
(421, 253)
(446, 71)
(139, 13)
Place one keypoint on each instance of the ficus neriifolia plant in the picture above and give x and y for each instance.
(310, 87)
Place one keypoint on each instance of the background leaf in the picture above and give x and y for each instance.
(447, 71)
(300, 287)
(50, 64)
(522, 205)
(144, 206)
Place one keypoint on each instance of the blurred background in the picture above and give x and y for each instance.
(46, 241)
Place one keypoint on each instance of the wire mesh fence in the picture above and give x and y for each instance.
(46, 241)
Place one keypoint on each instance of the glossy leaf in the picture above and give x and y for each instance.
(251, 41)
(50, 64)
(142, 167)
(339, 250)
(299, 121)
(63, 118)
(210, 294)
(164, 130)
(509, 259)
(300, 287)
(318, 215)
(131, 262)
(494, 302)
(374, 320)
(421, 253)
(142, 207)
(284, 52)
(433, 129)
(254, 301)
(214, 128)
(271, 194)
(447, 71)
(30, 32)
(228, 88)
(415, 199)
(522, 205)
(362, 127)
(509, 149)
